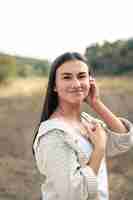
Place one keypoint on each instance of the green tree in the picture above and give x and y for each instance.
(111, 58)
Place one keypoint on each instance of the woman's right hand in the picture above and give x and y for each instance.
(98, 136)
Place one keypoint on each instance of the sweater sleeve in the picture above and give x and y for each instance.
(118, 143)
(59, 163)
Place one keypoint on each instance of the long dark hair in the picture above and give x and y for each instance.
(51, 99)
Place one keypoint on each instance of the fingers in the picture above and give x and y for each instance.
(88, 128)
(96, 135)
(92, 84)
(92, 80)
(95, 128)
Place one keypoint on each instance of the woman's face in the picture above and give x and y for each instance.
(72, 82)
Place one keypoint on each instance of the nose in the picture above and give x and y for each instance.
(75, 83)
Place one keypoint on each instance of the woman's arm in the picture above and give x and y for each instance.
(117, 143)
(98, 138)
(112, 121)
(95, 160)
(119, 130)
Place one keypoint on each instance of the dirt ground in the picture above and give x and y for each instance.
(19, 178)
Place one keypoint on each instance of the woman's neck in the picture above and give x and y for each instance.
(69, 112)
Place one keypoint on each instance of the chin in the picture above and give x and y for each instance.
(77, 101)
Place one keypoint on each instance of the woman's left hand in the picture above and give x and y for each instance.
(94, 94)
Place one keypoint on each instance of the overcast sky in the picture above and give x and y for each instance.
(47, 28)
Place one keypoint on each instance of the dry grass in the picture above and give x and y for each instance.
(20, 107)
(123, 83)
(23, 87)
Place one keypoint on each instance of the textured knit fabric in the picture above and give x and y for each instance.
(62, 153)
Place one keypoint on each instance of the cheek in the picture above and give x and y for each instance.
(86, 88)
(58, 85)
(86, 85)
(62, 85)
(60, 88)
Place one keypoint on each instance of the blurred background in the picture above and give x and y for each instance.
(32, 35)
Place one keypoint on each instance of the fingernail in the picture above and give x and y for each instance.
(93, 129)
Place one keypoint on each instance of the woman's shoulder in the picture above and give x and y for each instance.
(52, 126)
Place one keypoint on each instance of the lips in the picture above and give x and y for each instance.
(76, 91)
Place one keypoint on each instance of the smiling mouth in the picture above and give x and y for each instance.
(78, 91)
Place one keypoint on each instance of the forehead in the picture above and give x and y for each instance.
(73, 66)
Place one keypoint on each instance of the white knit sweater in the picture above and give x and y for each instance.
(62, 153)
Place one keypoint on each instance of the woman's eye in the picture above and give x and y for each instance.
(66, 77)
(83, 76)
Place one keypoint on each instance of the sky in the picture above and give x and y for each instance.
(47, 28)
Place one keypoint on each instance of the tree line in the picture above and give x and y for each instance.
(15, 66)
(110, 58)
(114, 58)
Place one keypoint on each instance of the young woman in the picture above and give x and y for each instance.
(71, 146)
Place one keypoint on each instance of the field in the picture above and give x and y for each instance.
(20, 108)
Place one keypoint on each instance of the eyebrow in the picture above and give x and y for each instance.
(68, 74)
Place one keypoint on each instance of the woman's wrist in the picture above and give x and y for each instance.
(95, 160)
(94, 103)
(100, 149)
